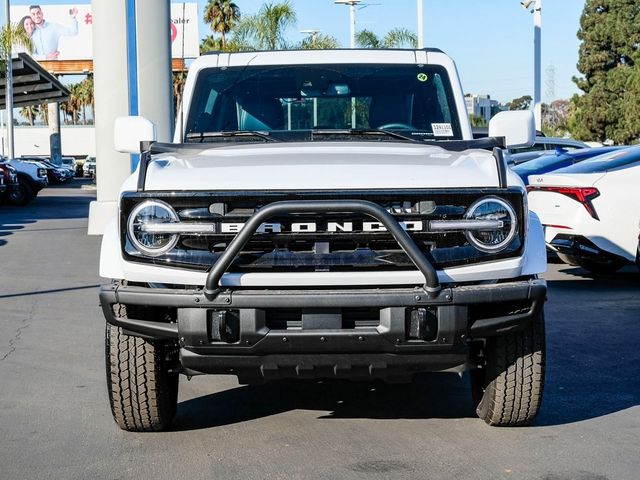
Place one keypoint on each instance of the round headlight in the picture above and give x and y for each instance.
(496, 239)
(147, 213)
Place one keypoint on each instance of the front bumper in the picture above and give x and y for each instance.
(40, 183)
(263, 334)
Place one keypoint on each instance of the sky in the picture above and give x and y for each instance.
(491, 41)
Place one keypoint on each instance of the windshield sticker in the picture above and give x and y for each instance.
(442, 130)
(423, 77)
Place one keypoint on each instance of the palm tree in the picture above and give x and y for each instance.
(209, 44)
(87, 86)
(319, 42)
(12, 36)
(368, 39)
(30, 112)
(71, 108)
(43, 113)
(84, 97)
(396, 38)
(221, 15)
(179, 79)
(266, 30)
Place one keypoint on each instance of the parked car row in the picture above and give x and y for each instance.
(89, 167)
(55, 173)
(525, 165)
(588, 202)
(22, 178)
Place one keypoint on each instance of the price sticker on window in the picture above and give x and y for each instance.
(442, 130)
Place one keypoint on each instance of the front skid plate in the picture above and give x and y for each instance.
(258, 369)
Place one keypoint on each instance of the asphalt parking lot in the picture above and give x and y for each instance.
(55, 420)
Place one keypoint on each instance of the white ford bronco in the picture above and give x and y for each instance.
(323, 214)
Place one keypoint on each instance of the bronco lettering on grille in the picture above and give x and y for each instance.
(332, 227)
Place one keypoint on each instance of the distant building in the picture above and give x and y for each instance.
(482, 106)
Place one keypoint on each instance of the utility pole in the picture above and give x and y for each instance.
(537, 40)
(9, 89)
(312, 33)
(352, 22)
(352, 17)
(537, 58)
(420, 24)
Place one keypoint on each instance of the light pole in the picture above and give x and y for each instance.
(537, 58)
(352, 17)
(313, 33)
(9, 88)
(352, 21)
(420, 24)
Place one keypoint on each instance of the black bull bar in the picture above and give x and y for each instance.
(432, 285)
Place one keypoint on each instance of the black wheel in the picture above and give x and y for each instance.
(143, 393)
(21, 194)
(508, 391)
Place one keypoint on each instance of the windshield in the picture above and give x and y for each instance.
(289, 102)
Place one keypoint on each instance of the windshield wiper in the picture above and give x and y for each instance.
(365, 132)
(234, 133)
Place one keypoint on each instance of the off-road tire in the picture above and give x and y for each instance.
(143, 393)
(508, 391)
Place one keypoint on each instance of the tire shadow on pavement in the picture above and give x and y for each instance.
(432, 395)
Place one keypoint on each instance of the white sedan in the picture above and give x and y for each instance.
(590, 210)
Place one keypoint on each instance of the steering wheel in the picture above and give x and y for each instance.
(396, 126)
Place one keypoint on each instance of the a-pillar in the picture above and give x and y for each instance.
(124, 86)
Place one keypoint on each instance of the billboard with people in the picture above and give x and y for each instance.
(65, 32)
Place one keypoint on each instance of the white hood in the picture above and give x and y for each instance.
(312, 166)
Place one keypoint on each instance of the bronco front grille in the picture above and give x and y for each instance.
(327, 242)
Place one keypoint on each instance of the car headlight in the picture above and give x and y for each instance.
(151, 212)
(42, 172)
(494, 240)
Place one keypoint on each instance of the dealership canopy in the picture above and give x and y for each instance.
(32, 84)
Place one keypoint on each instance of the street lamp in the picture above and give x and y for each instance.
(312, 32)
(9, 88)
(352, 10)
(537, 58)
(420, 24)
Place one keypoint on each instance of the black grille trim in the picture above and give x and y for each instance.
(443, 249)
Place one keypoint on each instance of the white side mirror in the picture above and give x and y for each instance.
(128, 132)
(517, 127)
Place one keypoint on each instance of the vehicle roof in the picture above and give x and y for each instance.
(320, 57)
(540, 163)
(525, 157)
(592, 151)
(605, 162)
(426, 49)
(561, 141)
(551, 158)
